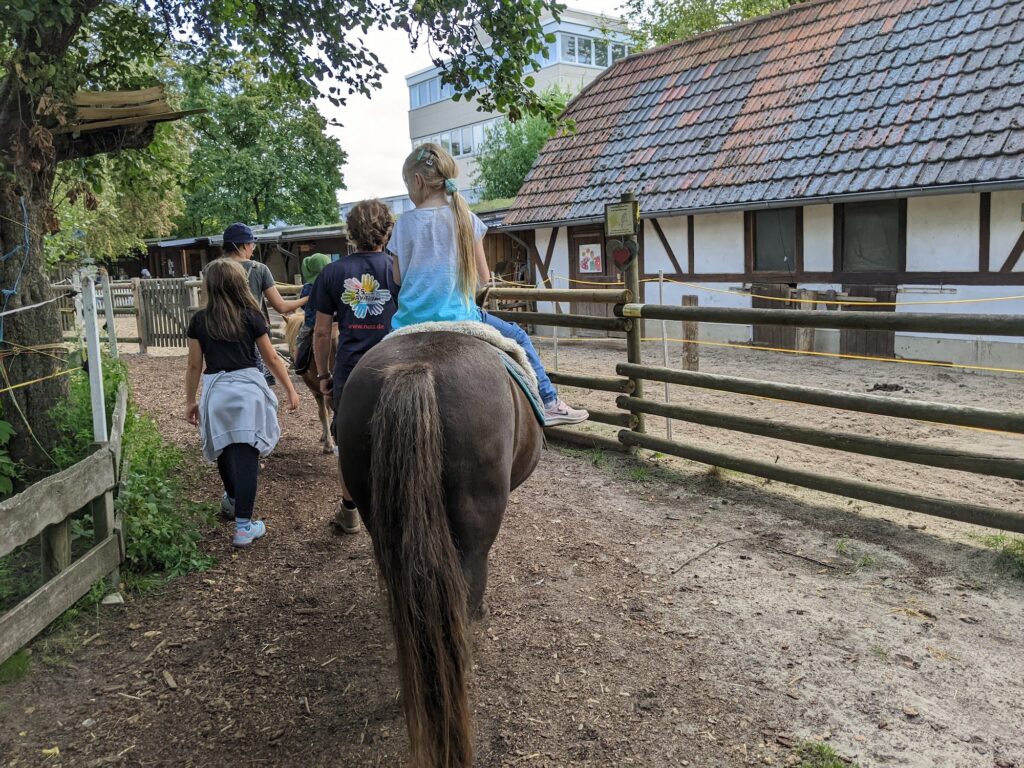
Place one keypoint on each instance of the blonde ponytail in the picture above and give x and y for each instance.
(439, 170)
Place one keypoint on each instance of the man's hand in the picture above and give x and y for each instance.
(326, 385)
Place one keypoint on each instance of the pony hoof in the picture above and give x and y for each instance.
(328, 450)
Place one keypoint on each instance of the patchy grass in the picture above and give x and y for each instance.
(866, 561)
(880, 653)
(15, 668)
(842, 546)
(817, 755)
(638, 473)
(1010, 552)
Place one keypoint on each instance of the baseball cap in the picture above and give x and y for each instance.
(239, 234)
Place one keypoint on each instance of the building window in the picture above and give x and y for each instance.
(590, 51)
(774, 239)
(871, 236)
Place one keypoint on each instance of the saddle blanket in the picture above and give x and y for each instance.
(511, 354)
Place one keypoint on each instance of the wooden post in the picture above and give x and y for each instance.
(140, 314)
(805, 336)
(92, 341)
(55, 548)
(103, 526)
(76, 285)
(664, 349)
(691, 351)
(634, 335)
(108, 312)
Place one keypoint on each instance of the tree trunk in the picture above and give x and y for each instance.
(32, 327)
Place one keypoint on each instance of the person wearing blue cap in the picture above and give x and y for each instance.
(239, 244)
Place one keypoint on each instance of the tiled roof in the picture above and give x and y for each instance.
(829, 98)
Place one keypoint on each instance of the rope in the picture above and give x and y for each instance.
(36, 381)
(16, 310)
(24, 248)
(837, 303)
(24, 418)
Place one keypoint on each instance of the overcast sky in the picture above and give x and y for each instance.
(375, 131)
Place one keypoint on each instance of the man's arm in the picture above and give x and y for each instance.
(322, 348)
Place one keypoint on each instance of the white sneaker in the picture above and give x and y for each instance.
(561, 413)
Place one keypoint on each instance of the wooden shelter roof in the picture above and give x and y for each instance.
(100, 110)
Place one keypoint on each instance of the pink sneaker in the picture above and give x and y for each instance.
(560, 413)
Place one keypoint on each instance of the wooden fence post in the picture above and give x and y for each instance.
(55, 548)
(804, 341)
(140, 314)
(103, 526)
(691, 351)
(108, 312)
(634, 335)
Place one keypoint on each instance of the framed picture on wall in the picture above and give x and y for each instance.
(589, 259)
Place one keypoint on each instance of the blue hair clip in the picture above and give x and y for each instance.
(450, 186)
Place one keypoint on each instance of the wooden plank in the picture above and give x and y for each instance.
(51, 500)
(33, 614)
(110, 113)
(111, 98)
(140, 314)
(103, 526)
(853, 489)
(55, 548)
(992, 325)
(1014, 256)
(984, 231)
(584, 439)
(634, 334)
(566, 321)
(600, 383)
(117, 427)
(903, 408)
(123, 121)
(913, 453)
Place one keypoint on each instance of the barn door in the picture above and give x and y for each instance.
(590, 267)
(165, 304)
(869, 343)
(778, 337)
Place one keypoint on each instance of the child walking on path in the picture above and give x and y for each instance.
(440, 263)
(237, 415)
(360, 292)
(312, 266)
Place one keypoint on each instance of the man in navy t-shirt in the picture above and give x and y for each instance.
(360, 290)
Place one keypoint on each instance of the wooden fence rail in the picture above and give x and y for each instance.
(45, 509)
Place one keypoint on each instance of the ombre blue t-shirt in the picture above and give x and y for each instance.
(424, 243)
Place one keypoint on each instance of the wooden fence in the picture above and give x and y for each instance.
(45, 510)
(631, 406)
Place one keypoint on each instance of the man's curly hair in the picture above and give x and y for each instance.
(370, 224)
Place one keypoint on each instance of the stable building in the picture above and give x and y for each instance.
(861, 149)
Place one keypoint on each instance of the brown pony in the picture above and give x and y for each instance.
(324, 405)
(436, 437)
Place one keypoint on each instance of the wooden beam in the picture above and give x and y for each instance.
(914, 453)
(52, 500)
(666, 245)
(690, 257)
(919, 322)
(903, 408)
(565, 321)
(854, 489)
(33, 614)
(1014, 256)
(984, 231)
(594, 296)
(614, 418)
(551, 249)
(584, 439)
(117, 427)
(599, 383)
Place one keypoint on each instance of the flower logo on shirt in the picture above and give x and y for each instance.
(365, 296)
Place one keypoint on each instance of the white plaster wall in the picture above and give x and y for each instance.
(718, 242)
(943, 233)
(1006, 227)
(559, 263)
(911, 297)
(818, 238)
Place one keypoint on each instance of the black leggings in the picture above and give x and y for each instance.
(239, 464)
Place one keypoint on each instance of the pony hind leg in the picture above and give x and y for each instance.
(326, 436)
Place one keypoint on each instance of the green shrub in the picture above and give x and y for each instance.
(73, 416)
(162, 529)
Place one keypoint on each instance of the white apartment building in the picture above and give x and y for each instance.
(585, 45)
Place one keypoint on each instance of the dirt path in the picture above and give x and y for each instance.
(640, 615)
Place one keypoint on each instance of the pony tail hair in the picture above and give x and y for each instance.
(469, 277)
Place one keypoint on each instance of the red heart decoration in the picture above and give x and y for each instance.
(622, 256)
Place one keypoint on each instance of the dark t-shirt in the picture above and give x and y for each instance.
(221, 355)
(359, 289)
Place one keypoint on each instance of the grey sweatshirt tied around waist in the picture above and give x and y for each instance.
(237, 407)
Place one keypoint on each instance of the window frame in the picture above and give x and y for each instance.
(750, 243)
(838, 241)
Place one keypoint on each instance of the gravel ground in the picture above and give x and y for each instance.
(641, 613)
